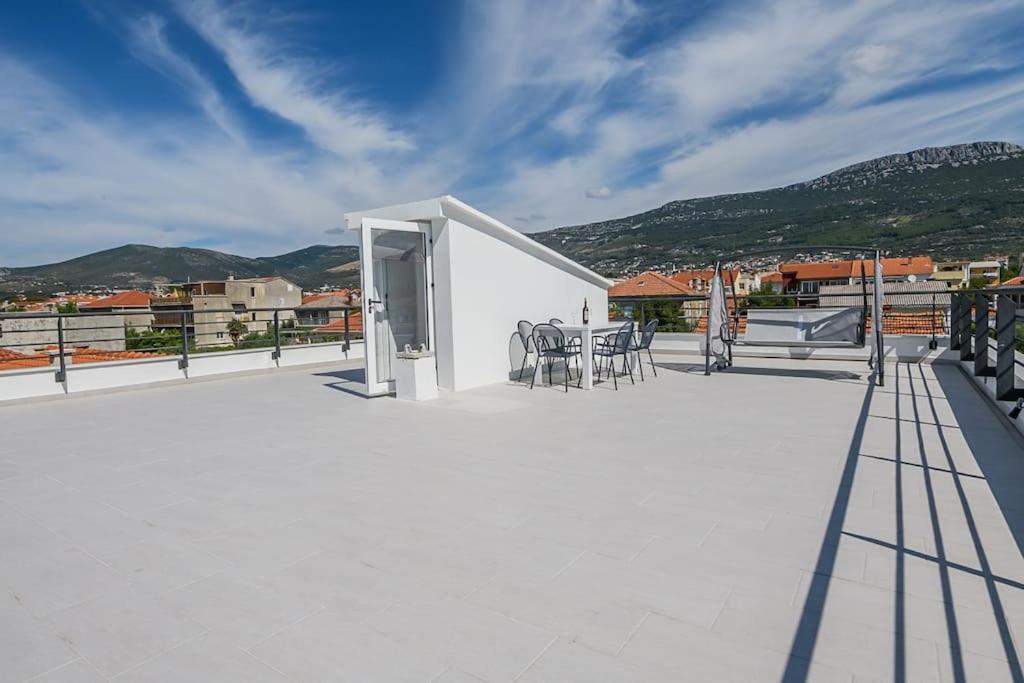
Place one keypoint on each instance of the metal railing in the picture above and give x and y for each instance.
(926, 314)
(972, 335)
(40, 339)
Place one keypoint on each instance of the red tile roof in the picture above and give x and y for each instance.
(355, 324)
(309, 298)
(1014, 282)
(12, 360)
(829, 270)
(130, 299)
(902, 266)
(818, 271)
(772, 277)
(894, 322)
(650, 284)
(688, 276)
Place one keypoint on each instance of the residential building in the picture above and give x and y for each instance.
(808, 278)
(630, 298)
(124, 302)
(215, 303)
(774, 279)
(1014, 290)
(323, 308)
(27, 334)
(700, 280)
(960, 274)
(915, 308)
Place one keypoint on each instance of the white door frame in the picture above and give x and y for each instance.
(374, 385)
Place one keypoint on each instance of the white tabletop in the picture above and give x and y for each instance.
(606, 327)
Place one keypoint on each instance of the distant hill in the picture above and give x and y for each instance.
(958, 201)
(142, 266)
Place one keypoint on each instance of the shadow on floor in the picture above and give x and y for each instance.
(350, 380)
(766, 372)
(988, 450)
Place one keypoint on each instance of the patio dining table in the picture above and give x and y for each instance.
(586, 333)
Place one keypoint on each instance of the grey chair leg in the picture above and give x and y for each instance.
(653, 366)
(641, 366)
(533, 375)
(626, 366)
(523, 367)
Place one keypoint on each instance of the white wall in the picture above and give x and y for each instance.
(18, 385)
(491, 285)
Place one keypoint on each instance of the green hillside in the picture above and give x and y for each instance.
(142, 266)
(961, 201)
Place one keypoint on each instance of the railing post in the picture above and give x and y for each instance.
(981, 335)
(62, 373)
(1006, 319)
(954, 321)
(965, 329)
(183, 361)
(934, 343)
(276, 355)
(346, 342)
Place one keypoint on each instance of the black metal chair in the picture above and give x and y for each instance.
(576, 341)
(642, 342)
(616, 344)
(524, 328)
(551, 346)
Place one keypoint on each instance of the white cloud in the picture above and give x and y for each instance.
(291, 88)
(149, 40)
(543, 110)
(873, 59)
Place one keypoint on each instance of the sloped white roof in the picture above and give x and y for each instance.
(450, 207)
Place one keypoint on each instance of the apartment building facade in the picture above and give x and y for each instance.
(209, 306)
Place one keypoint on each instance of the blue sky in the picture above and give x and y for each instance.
(251, 127)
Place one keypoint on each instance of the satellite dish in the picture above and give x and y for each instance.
(911, 278)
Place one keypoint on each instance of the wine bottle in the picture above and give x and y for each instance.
(586, 312)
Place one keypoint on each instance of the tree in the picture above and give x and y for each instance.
(158, 341)
(670, 314)
(68, 307)
(978, 283)
(767, 297)
(236, 330)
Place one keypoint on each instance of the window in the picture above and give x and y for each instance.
(252, 292)
(220, 335)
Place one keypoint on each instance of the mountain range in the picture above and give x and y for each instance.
(143, 266)
(961, 201)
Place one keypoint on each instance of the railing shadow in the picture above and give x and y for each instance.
(804, 373)
(809, 626)
(986, 441)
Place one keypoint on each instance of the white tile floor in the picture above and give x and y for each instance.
(782, 521)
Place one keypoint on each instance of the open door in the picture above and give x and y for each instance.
(395, 264)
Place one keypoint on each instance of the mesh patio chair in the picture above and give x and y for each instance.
(616, 344)
(576, 341)
(524, 328)
(642, 342)
(551, 346)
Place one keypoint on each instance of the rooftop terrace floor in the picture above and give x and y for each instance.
(786, 520)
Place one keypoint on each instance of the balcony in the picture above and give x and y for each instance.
(784, 520)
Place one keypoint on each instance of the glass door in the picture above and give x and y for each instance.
(397, 308)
